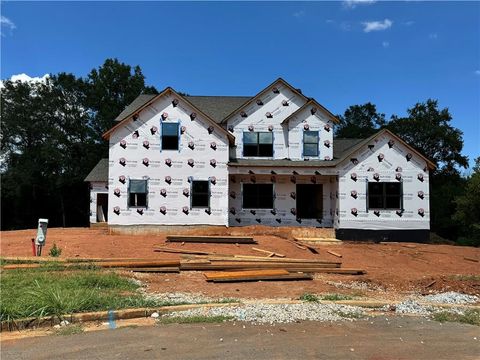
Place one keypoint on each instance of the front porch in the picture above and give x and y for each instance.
(281, 197)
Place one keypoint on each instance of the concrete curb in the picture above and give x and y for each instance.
(50, 321)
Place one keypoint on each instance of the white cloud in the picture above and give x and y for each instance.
(352, 4)
(377, 25)
(385, 44)
(25, 78)
(477, 72)
(6, 23)
(433, 36)
(299, 14)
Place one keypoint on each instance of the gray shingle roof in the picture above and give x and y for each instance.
(340, 146)
(99, 172)
(217, 107)
(340, 149)
(139, 101)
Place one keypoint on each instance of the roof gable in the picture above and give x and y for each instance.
(167, 91)
(367, 141)
(260, 94)
(316, 105)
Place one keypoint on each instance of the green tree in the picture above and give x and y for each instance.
(111, 88)
(46, 145)
(428, 129)
(467, 213)
(359, 121)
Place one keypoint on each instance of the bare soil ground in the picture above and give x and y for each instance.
(393, 270)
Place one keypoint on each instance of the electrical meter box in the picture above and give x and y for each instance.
(41, 232)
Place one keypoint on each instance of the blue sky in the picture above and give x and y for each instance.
(392, 54)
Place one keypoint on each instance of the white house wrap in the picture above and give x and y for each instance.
(270, 159)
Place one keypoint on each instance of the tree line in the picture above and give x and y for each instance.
(51, 138)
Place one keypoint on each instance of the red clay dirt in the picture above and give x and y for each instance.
(393, 270)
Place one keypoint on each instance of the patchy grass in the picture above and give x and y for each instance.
(45, 292)
(352, 315)
(336, 297)
(465, 277)
(69, 330)
(309, 297)
(471, 317)
(226, 301)
(194, 319)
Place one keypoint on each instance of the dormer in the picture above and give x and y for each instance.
(281, 123)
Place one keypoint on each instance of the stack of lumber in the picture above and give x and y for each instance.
(211, 239)
(255, 275)
(217, 263)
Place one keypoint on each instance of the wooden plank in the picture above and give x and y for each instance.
(165, 269)
(181, 251)
(345, 271)
(269, 253)
(264, 275)
(246, 266)
(233, 274)
(289, 277)
(296, 244)
(272, 260)
(309, 248)
(211, 239)
(334, 253)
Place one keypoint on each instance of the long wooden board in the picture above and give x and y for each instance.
(234, 274)
(246, 266)
(262, 275)
(181, 251)
(108, 264)
(165, 269)
(211, 239)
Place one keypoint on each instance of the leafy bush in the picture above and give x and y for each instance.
(55, 251)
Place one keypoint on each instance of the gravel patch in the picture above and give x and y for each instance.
(355, 285)
(184, 298)
(452, 298)
(411, 306)
(278, 313)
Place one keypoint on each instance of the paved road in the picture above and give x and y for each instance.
(397, 338)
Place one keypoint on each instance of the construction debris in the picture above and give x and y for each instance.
(270, 253)
(256, 275)
(211, 239)
(318, 241)
(334, 253)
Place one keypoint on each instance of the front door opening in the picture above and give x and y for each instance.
(102, 207)
(309, 201)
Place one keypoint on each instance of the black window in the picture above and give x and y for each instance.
(200, 194)
(310, 143)
(169, 136)
(257, 196)
(385, 195)
(257, 144)
(137, 193)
